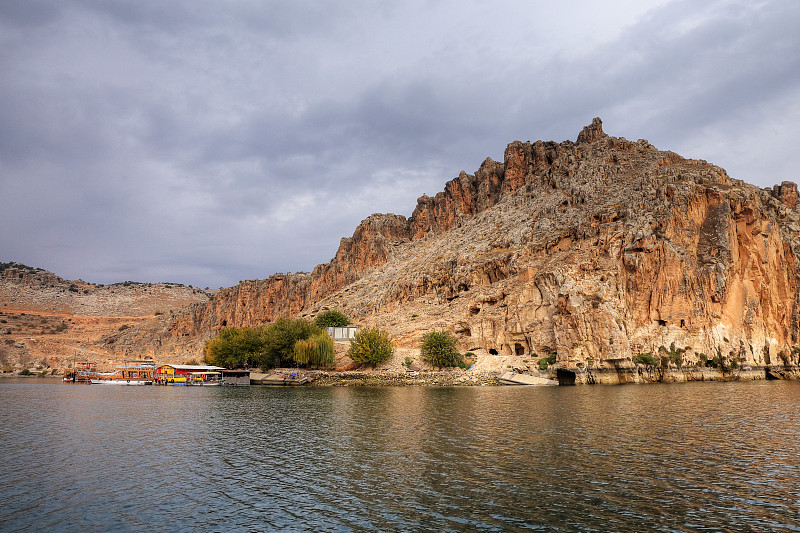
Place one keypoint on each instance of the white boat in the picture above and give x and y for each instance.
(131, 373)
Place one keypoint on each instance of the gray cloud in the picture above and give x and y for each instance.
(206, 142)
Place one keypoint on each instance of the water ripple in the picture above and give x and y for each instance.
(683, 457)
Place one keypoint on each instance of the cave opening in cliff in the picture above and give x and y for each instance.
(492, 351)
(565, 377)
(519, 349)
(224, 323)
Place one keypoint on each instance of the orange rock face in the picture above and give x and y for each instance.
(599, 250)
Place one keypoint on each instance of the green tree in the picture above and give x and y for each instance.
(235, 347)
(280, 338)
(331, 318)
(439, 349)
(371, 346)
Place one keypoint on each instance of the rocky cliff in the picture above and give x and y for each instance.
(599, 250)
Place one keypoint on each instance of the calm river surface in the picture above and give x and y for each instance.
(667, 457)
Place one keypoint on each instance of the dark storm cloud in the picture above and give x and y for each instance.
(207, 142)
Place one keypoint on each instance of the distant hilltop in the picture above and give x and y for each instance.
(601, 252)
(32, 289)
(47, 322)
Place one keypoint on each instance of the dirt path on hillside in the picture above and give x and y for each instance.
(70, 315)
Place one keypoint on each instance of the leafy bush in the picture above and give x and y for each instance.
(545, 362)
(673, 355)
(439, 349)
(371, 346)
(331, 318)
(25, 372)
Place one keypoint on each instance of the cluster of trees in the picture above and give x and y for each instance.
(301, 342)
(287, 341)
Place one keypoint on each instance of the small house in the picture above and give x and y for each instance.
(342, 334)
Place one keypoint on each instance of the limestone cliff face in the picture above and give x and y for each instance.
(599, 250)
(255, 302)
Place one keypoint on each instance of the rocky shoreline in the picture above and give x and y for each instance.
(463, 378)
(643, 374)
(456, 377)
(387, 378)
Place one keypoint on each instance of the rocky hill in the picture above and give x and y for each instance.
(600, 250)
(46, 320)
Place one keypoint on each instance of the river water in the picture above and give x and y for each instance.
(666, 457)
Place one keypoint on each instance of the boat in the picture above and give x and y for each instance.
(81, 372)
(131, 373)
(189, 375)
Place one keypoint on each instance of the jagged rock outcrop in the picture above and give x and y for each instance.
(599, 250)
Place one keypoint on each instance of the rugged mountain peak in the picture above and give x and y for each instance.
(592, 132)
(598, 251)
(786, 192)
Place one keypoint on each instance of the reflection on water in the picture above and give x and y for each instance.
(685, 457)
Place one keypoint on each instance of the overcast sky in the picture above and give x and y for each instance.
(207, 142)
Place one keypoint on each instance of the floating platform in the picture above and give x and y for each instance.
(282, 379)
(515, 378)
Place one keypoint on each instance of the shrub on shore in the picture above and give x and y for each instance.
(645, 359)
(439, 349)
(235, 348)
(371, 346)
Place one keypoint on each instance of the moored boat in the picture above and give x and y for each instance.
(131, 373)
(189, 375)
